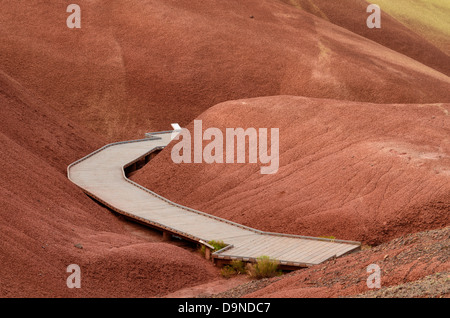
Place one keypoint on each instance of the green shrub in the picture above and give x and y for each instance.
(238, 266)
(217, 245)
(265, 267)
(328, 237)
(365, 247)
(227, 271)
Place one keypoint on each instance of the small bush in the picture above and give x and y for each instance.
(265, 267)
(238, 266)
(227, 271)
(328, 237)
(217, 245)
(365, 247)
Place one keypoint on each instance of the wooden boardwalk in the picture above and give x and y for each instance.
(103, 176)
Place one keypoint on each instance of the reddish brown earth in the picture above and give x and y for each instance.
(356, 171)
(137, 66)
(349, 14)
(43, 216)
(402, 261)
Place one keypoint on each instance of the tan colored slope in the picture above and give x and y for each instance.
(136, 66)
(402, 23)
(428, 18)
(358, 171)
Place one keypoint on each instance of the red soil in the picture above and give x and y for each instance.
(351, 15)
(137, 66)
(401, 261)
(43, 216)
(355, 171)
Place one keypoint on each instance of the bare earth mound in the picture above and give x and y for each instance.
(418, 263)
(355, 171)
(136, 66)
(47, 223)
(399, 31)
(352, 170)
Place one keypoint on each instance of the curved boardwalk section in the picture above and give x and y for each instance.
(102, 176)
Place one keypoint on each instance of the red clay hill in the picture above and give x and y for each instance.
(47, 223)
(393, 34)
(357, 171)
(136, 66)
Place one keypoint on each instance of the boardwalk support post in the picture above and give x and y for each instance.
(166, 236)
(208, 249)
(208, 253)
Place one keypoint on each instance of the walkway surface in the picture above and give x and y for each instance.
(102, 176)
